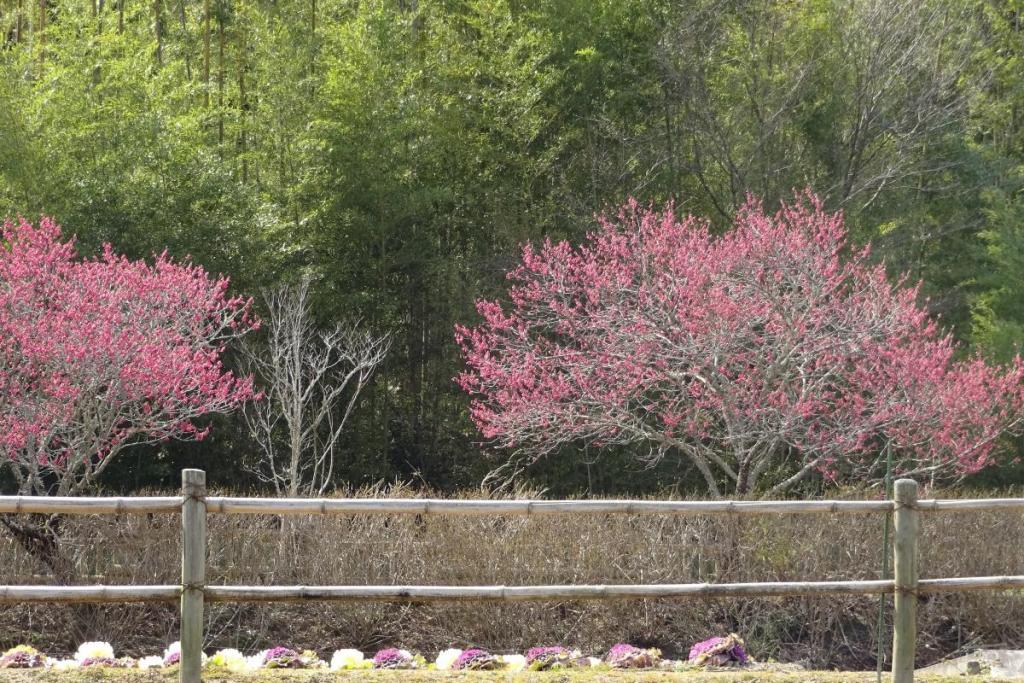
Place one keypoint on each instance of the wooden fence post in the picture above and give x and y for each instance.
(193, 573)
(904, 621)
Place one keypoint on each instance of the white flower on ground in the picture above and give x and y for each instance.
(347, 659)
(256, 661)
(445, 659)
(94, 650)
(62, 664)
(151, 662)
(513, 662)
(594, 661)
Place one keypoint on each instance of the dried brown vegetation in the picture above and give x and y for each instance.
(819, 632)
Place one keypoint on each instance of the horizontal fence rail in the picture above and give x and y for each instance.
(430, 506)
(9, 594)
(969, 504)
(525, 593)
(422, 594)
(90, 506)
(425, 506)
(194, 506)
(438, 506)
(970, 583)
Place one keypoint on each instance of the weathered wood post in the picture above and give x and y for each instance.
(904, 621)
(193, 573)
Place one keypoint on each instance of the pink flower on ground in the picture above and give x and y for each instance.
(719, 651)
(393, 658)
(626, 656)
(475, 660)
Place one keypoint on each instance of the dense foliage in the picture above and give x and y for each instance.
(397, 153)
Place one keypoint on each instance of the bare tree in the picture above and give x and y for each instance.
(311, 379)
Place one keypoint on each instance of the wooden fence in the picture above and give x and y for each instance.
(194, 505)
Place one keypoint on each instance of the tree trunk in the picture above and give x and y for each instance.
(41, 31)
(242, 103)
(158, 30)
(220, 75)
(206, 51)
(313, 48)
(743, 483)
(39, 536)
(185, 38)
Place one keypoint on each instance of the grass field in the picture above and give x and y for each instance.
(114, 676)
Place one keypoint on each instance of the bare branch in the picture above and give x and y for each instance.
(311, 380)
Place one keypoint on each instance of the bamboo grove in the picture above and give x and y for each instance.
(397, 152)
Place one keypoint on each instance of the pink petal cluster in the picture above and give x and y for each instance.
(626, 656)
(114, 663)
(100, 352)
(773, 348)
(393, 658)
(282, 658)
(719, 651)
(23, 658)
(549, 657)
(475, 660)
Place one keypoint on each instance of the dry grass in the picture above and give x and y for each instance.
(819, 632)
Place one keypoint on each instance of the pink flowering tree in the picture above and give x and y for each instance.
(762, 356)
(101, 353)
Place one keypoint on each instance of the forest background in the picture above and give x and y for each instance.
(398, 153)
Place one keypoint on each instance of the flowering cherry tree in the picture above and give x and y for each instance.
(97, 354)
(762, 356)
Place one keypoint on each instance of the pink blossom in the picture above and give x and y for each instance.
(762, 355)
(99, 353)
